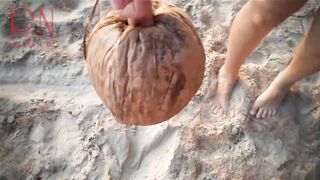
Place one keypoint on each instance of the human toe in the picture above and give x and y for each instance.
(254, 110)
(265, 114)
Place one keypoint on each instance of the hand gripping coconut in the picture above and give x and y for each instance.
(145, 75)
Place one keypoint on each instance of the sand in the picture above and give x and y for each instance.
(54, 126)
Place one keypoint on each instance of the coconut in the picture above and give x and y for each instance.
(145, 75)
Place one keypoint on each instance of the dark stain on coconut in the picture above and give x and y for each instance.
(177, 87)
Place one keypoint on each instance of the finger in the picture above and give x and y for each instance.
(119, 4)
(137, 9)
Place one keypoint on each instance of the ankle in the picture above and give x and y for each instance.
(283, 81)
(281, 85)
(229, 72)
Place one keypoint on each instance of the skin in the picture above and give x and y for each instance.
(138, 12)
(254, 21)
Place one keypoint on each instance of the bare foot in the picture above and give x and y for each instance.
(268, 102)
(226, 82)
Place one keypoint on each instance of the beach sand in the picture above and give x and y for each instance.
(54, 126)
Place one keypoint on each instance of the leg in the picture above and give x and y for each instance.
(306, 61)
(255, 20)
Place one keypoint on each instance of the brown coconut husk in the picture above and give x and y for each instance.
(145, 75)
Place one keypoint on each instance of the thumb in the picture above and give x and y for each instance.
(119, 4)
(139, 11)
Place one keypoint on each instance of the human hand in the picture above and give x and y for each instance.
(137, 11)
